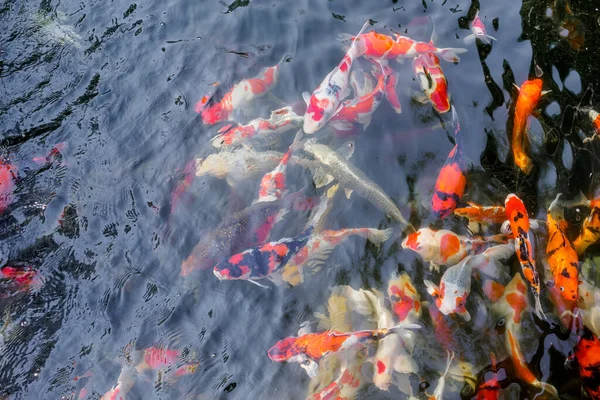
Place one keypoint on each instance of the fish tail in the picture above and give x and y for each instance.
(469, 39)
(538, 306)
(378, 236)
(319, 214)
(358, 46)
(451, 54)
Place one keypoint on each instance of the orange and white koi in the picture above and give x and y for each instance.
(455, 284)
(522, 371)
(360, 109)
(405, 300)
(562, 258)
(445, 247)
(325, 100)
(478, 29)
(590, 231)
(482, 214)
(280, 121)
(433, 82)
(310, 348)
(344, 387)
(587, 356)
(530, 94)
(512, 305)
(240, 96)
(594, 119)
(438, 393)
(378, 46)
(519, 223)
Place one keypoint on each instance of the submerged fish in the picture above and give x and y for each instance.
(310, 348)
(481, 214)
(587, 356)
(238, 166)
(590, 231)
(352, 179)
(240, 96)
(7, 184)
(280, 121)
(404, 298)
(325, 100)
(478, 29)
(439, 388)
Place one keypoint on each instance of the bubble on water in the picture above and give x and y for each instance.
(567, 156)
(553, 109)
(573, 82)
(556, 77)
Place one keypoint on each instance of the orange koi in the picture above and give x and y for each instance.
(490, 388)
(587, 355)
(481, 214)
(310, 348)
(529, 97)
(562, 258)
(240, 96)
(378, 46)
(450, 184)
(7, 184)
(522, 371)
(519, 223)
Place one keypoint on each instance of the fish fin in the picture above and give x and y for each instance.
(434, 267)
(534, 224)
(517, 87)
(341, 125)
(343, 37)
(465, 315)
(491, 37)
(258, 284)
(345, 93)
(346, 150)
(367, 122)
(400, 59)
(306, 97)
(297, 143)
(348, 193)
(433, 37)
(378, 236)
(305, 328)
(320, 176)
(230, 181)
(469, 39)
(505, 229)
(451, 54)
(320, 212)
(545, 92)
(432, 288)
(358, 44)
(538, 307)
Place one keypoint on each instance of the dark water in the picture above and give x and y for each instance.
(116, 82)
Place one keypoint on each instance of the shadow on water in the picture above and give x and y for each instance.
(98, 124)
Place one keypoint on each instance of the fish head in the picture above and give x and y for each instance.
(531, 92)
(287, 350)
(318, 112)
(453, 299)
(403, 297)
(213, 114)
(567, 285)
(232, 268)
(440, 97)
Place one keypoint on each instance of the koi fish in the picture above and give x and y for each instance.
(55, 152)
(310, 348)
(156, 358)
(430, 76)
(478, 29)
(351, 179)
(240, 96)
(522, 371)
(320, 245)
(272, 185)
(439, 388)
(378, 46)
(238, 166)
(481, 214)
(348, 383)
(360, 109)
(530, 94)
(519, 224)
(25, 278)
(405, 300)
(587, 356)
(442, 330)
(450, 183)
(445, 247)
(7, 184)
(594, 119)
(455, 285)
(325, 100)
(280, 121)
(590, 231)
(241, 230)
(182, 186)
(562, 258)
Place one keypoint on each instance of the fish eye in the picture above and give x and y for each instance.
(423, 386)
(562, 289)
(306, 362)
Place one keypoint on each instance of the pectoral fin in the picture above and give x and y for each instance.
(432, 288)
(306, 97)
(348, 193)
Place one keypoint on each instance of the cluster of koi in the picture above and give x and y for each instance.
(241, 248)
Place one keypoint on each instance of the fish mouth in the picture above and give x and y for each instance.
(218, 274)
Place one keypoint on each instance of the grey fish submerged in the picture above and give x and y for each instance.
(352, 179)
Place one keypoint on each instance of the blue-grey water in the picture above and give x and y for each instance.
(115, 84)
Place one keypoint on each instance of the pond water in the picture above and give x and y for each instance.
(98, 124)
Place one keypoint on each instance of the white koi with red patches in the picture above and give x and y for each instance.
(324, 102)
(455, 286)
(478, 29)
